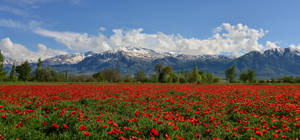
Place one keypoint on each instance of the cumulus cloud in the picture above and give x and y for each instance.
(271, 45)
(227, 39)
(77, 41)
(21, 53)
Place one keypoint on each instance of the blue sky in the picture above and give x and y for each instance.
(70, 26)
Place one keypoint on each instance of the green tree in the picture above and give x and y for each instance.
(23, 71)
(182, 76)
(230, 74)
(243, 76)
(209, 78)
(158, 70)
(140, 76)
(98, 76)
(251, 75)
(297, 79)
(195, 77)
(153, 78)
(66, 75)
(49, 74)
(217, 80)
(111, 75)
(2, 72)
(127, 78)
(39, 71)
(167, 74)
(12, 75)
(174, 77)
(203, 75)
(287, 79)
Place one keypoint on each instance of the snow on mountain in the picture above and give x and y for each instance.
(138, 52)
(68, 59)
(270, 63)
(282, 51)
(148, 54)
(10, 61)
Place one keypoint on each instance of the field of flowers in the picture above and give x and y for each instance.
(128, 111)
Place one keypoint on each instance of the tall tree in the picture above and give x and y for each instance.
(38, 71)
(98, 76)
(12, 75)
(111, 75)
(243, 76)
(23, 71)
(2, 72)
(158, 69)
(203, 75)
(251, 75)
(167, 73)
(67, 75)
(127, 78)
(182, 77)
(230, 74)
(140, 76)
(195, 77)
(209, 78)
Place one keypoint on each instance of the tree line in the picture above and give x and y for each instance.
(162, 74)
(250, 77)
(245, 77)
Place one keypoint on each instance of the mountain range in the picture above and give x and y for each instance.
(271, 63)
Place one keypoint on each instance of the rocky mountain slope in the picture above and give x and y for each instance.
(271, 63)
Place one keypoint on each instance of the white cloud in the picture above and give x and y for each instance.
(10, 24)
(77, 41)
(271, 45)
(14, 11)
(230, 39)
(21, 53)
(102, 29)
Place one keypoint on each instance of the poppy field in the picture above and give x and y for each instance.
(149, 111)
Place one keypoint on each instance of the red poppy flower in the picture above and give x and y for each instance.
(154, 132)
(55, 125)
(86, 133)
(82, 127)
(66, 126)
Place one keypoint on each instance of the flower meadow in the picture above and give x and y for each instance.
(150, 111)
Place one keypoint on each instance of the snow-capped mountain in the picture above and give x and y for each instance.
(10, 61)
(143, 53)
(129, 60)
(67, 59)
(283, 51)
(270, 63)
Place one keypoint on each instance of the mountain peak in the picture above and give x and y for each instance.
(144, 53)
(283, 51)
(68, 59)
